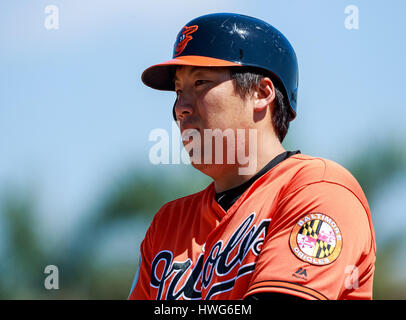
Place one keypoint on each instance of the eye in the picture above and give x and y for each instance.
(200, 82)
(178, 92)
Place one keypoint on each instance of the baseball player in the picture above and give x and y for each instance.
(296, 227)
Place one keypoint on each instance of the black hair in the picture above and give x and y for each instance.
(247, 79)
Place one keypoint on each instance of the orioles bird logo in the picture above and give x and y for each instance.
(184, 38)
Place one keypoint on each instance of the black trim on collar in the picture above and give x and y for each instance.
(228, 197)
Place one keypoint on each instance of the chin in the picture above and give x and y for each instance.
(212, 170)
(200, 166)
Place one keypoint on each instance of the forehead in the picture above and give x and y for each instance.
(186, 71)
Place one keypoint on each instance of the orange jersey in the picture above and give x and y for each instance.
(303, 228)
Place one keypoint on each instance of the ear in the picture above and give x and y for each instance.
(264, 95)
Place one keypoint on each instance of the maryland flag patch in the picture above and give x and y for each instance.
(316, 238)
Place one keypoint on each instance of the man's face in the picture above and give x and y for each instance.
(206, 99)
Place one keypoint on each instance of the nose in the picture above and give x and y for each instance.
(181, 109)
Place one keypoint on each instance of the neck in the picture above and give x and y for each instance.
(231, 176)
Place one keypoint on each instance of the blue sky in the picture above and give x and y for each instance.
(74, 113)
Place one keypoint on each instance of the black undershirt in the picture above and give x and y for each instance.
(228, 197)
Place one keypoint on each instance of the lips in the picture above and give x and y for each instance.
(187, 126)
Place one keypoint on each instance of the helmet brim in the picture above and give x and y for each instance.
(160, 76)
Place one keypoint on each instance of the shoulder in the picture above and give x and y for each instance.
(318, 168)
(188, 200)
(173, 220)
(316, 180)
(173, 211)
(308, 170)
(324, 186)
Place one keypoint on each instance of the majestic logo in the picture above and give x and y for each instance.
(184, 38)
(222, 259)
(316, 239)
(300, 274)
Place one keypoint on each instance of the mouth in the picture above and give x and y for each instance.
(190, 134)
(188, 129)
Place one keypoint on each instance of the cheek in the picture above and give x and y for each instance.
(213, 110)
(221, 109)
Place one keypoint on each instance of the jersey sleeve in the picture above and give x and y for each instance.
(140, 289)
(319, 246)
(140, 286)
